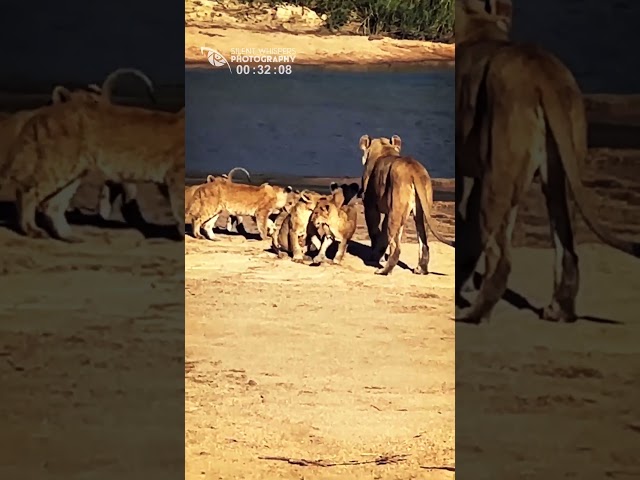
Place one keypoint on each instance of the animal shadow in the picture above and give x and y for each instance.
(363, 252)
(518, 301)
(241, 231)
(130, 212)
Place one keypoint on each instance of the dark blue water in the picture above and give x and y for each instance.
(309, 123)
(596, 39)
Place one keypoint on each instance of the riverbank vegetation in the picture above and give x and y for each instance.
(405, 19)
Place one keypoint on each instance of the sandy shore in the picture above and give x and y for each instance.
(91, 356)
(227, 25)
(519, 379)
(330, 362)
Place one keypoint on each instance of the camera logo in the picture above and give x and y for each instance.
(215, 58)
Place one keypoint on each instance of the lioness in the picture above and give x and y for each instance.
(334, 222)
(213, 198)
(64, 141)
(396, 186)
(531, 116)
(297, 234)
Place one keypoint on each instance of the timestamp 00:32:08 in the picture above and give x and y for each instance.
(282, 69)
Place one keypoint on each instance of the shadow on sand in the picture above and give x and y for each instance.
(521, 303)
(130, 212)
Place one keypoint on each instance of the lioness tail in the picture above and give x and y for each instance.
(421, 194)
(572, 143)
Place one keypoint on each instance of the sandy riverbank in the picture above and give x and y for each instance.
(331, 362)
(521, 378)
(232, 25)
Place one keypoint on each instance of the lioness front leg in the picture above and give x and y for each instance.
(322, 254)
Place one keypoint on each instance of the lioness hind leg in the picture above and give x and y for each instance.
(566, 275)
(380, 246)
(423, 246)
(372, 219)
(497, 252)
(468, 236)
(395, 226)
(54, 212)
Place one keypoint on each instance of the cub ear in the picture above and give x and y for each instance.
(365, 142)
(210, 178)
(288, 189)
(60, 94)
(396, 141)
(337, 198)
(333, 186)
(304, 197)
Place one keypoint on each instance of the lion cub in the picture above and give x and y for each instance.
(297, 235)
(213, 198)
(333, 222)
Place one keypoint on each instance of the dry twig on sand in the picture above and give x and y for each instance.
(381, 460)
(449, 469)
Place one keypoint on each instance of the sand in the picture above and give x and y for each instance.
(92, 349)
(329, 362)
(543, 400)
(232, 25)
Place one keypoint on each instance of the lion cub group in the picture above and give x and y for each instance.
(298, 222)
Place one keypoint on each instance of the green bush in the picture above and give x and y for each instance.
(416, 19)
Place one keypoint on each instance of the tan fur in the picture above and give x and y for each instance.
(297, 234)
(64, 141)
(396, 186)
(215, 197)
(529, 116)
(334, 222)
(11, 126)
(295, 230)
(232, 220)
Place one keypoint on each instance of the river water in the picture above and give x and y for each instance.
(308, 123)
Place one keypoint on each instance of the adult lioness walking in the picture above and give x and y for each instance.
(396, 186)
(532, 121)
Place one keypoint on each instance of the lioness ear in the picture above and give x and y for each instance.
(333, 186)
(60, 94)
(288, 189)
(354, 187)
(396, 141)
(365, 141)
(210, 178)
